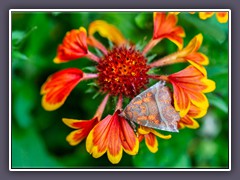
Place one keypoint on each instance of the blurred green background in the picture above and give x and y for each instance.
(38, 136)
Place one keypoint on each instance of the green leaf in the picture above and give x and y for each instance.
(90, 69)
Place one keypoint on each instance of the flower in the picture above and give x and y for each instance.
(123, 71)
(222, 17)
(150, 138)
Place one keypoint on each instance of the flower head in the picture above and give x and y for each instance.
(122, 71)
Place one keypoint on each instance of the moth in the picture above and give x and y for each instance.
(153, 108)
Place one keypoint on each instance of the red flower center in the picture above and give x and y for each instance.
(123, 71)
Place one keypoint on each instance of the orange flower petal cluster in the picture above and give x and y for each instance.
(58, 86)
(189, 86)
(165, 27)
(74, 46)
(112, 135)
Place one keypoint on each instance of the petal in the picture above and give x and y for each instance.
(198, 58)
(106, 30)
(181, 100)
(114, 152)
(79, 124)
(205, 15)
(83, 128)
(211, 85)
(97, 140)
(165, 27)
(189, 122)
(222, 17)
(196, 112)
(194, 44)
(128, 138)
(199, 67)
(74, 46)
(75, 137)
(58, 86)
(151, 142)
(145, 130)
(198, 99)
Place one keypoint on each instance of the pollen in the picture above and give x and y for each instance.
(123, 71)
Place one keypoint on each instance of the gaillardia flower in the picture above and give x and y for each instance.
(123, 71)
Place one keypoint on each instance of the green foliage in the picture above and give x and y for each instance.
(38, 136)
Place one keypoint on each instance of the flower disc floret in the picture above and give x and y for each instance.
(123, 71)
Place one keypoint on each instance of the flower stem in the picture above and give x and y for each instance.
(167, 60)
(150, 45)
(119, 103)
(95, 43)
(161, 77)
(87, 76)
(93, 57)
(101, 107)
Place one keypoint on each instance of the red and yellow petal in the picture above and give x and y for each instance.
(74, 46)
(151, 142)
(165, 27)
(188, 122)
(106, 30)
(222, 17)
(205, 15)
(83, 128)
(150, 137)
(58, 86)
(196, 112)
(128, 138)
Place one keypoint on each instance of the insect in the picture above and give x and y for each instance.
(152, 108)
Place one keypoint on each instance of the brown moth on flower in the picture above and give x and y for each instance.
(152, 108)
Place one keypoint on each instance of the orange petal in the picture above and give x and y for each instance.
(193, 45)
(58, 86)
(83, 128)
(106, 30)
(151, 142)
(74, 46)
(189, 122)
(196, 112)
(205, 15)
(129, 140)
(222, 17)
(181, 100)
(165, 27)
